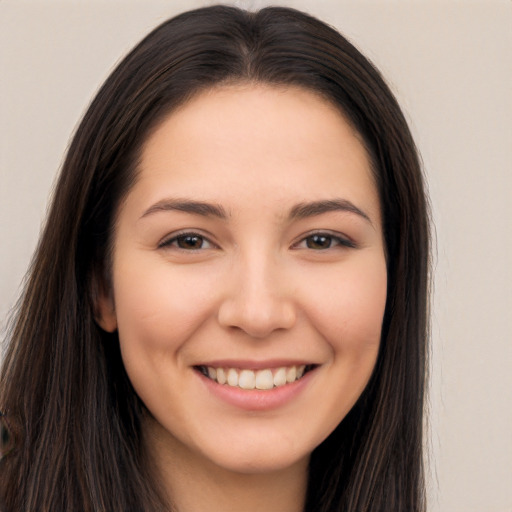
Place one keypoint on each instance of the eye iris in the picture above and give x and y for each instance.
(319, 242)
(189, 242)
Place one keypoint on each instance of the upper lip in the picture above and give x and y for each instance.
(244, 364)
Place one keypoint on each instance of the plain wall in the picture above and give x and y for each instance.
(450, 64)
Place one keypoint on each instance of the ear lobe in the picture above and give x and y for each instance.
(104, 309)
(105, 314)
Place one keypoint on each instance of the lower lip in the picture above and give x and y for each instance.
(255, 399)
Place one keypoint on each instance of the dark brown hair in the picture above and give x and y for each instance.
(72, 412)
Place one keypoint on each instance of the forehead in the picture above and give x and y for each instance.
(274, 115)
(250, 141)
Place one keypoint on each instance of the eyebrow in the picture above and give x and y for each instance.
(187, 206)
(299, 211)
(311, 209)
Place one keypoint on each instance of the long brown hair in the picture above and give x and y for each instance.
(73, 415)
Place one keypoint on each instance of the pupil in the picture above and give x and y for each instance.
(190, 242)
(319, 242)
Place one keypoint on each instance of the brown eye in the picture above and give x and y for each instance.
(191, 242)
(323, 241)
(319, 242)
(187, 242)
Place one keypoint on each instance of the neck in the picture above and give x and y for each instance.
(192, 483)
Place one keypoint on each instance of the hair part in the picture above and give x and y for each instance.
(71, 407)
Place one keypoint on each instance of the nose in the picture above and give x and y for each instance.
(259, 299)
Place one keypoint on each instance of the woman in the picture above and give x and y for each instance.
(227, 307)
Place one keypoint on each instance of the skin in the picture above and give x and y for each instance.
(255, 287)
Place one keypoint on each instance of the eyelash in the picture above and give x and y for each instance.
(334, 241)
(173, 241)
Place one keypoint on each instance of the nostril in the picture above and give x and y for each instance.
(257, 318)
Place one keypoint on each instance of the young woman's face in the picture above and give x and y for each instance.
(250, 250)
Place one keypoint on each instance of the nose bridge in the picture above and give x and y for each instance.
(258, 299)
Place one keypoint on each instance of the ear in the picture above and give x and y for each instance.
(106, 314)
(104, 308)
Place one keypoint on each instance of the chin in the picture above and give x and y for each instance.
(259, 463)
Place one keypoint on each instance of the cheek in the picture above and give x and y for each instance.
(158, 310)
(350, 309)
(158, 307)
(350, 320)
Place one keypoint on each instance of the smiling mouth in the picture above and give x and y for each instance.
(264, 379)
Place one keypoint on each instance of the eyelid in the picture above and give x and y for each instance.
(167, 241)
(341, 239)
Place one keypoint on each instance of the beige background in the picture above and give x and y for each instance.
(450, 63)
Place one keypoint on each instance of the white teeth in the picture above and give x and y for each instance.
(247, 379)
(280, 377)
(232, 377)
(264, 379)
(291, 374)
(261, 379)
(221, 376)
